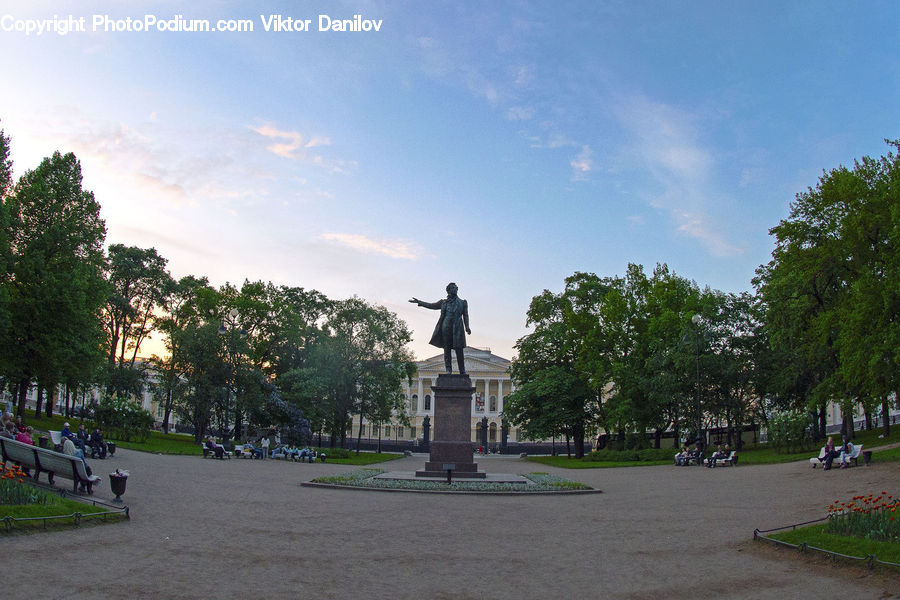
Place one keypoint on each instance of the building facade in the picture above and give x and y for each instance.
(490, 377)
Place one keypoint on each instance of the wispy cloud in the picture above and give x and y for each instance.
(401, 249)
(667, 144)
(293, 145)
(582, 164)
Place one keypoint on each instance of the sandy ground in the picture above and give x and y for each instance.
(245, 529)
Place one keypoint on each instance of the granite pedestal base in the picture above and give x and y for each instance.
(452, 429)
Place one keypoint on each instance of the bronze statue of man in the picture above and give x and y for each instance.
(451, 329)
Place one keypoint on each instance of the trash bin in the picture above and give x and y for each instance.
(117, 483)
(44, 441)
(110, 448)
(867, 457)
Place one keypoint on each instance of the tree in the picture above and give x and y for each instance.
(56, 286)
(138, 281)
(5, 251)
(555, 394)
(179, 311)
(830, 292)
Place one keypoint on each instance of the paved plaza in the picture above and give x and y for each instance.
(242, 529)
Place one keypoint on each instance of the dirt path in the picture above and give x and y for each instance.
(211, 529)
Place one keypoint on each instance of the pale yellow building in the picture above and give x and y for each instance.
(490, 377)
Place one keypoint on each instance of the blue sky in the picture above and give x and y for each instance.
(501, 145)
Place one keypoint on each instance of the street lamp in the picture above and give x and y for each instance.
(223, 330)
(697, 320)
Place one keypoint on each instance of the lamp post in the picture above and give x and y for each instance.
(697, 320)
(229, 331)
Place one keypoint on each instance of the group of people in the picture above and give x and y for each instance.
(16, 429)
(294, 453)
(83, 441)
(72, 445)
(720, 453)
(261, 450)
(844, 453)
(688, 456)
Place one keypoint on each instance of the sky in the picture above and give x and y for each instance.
(502, 145)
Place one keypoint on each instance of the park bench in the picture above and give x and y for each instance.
(48, 461)
(729, 461)
(215, 452)
(854, 456)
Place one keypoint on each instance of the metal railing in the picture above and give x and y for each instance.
(870, 560)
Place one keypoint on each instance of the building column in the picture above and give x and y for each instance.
(500, 396)
(420, 403)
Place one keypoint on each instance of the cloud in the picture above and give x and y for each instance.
(401, 249)
(519, 113)
(293, 145)
(667, 143)
(582, 164)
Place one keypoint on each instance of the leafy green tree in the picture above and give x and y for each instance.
(830, 292)
(138, 281)
(179, 311)
(6, 182)
(555, 394)
(56, 287)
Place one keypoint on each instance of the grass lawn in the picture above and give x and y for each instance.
(164, 443)
(56, 506)
(751, 455)
(573, 463)
(815, 535)
(364, 458)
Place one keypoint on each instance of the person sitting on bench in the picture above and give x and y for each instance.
(830, 454)
(719, 453)
(98, 446)
(846, 452)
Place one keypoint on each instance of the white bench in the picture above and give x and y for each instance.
(729, 461)
(854, 456)
(48, 461)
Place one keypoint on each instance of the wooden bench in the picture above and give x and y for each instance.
(48, 461)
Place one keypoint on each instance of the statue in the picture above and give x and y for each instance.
(451, 329)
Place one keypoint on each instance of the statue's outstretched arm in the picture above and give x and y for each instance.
(431, 305)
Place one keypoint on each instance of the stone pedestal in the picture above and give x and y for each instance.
(452, 422)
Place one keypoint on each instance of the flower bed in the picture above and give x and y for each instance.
(870, 517)
(365, 478)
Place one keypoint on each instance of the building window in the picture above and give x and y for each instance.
(159, 412)
(387, 431)
(412, 433)
(362, 431)
(399, 432)
(427, 402)
(415, 403)
(493, 404)
(492, 432)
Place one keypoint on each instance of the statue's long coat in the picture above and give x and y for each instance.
(450, 331)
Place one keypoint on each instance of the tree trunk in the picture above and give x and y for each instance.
(22, 392)
(167, 412)
(568, 446)
(868, 420)
(579, 440)
(39, 403)
(358, 434)
(51, 400)
(823, 422)
(886, 416)
(657, 438)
